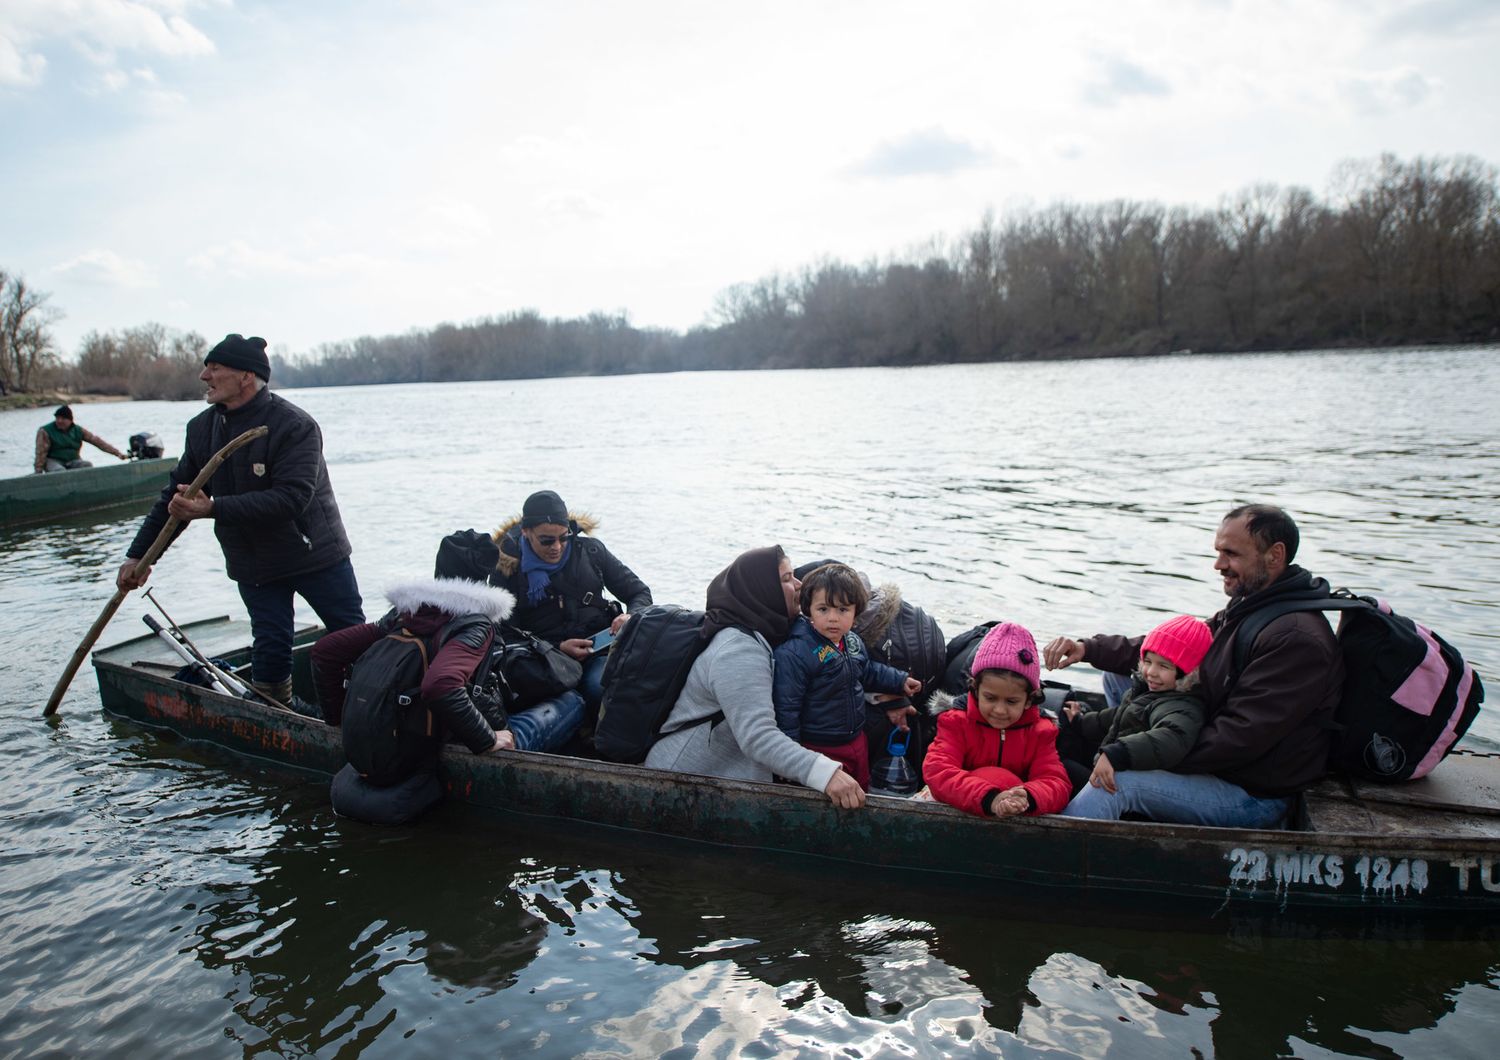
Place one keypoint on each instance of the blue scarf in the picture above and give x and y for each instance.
(539, 574)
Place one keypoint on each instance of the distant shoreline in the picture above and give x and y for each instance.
(53, 398)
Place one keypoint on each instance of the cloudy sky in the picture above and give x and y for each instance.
(315, 171)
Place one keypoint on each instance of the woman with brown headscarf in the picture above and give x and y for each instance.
(723, 723)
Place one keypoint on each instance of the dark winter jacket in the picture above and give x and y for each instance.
(1148, 730)
(1270, 732)
(819, 691)
(274, 511)
(575, 605)
(467, 610)
(965, 741)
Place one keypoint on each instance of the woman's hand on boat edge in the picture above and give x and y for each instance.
(844, 791)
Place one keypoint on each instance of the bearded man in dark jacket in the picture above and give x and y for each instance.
(272, 507)
(1268, 733)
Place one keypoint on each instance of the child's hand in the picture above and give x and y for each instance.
(912, 685)
(1072, 708)
(897, 716)
(1103, 775)
(1010, 803)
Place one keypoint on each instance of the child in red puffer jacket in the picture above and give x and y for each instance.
(998, 757)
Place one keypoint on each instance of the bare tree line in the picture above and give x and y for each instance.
(1399, 253)
(150, 361)
(26, 347)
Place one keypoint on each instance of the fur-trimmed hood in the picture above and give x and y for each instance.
(941, 701)
(508, 533)
(879, 613)
(454, 596)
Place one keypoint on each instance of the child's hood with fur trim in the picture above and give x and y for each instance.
(454, 596)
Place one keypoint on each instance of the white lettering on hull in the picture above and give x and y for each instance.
(1377, 874)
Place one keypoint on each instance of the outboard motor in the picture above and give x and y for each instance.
(145, 446)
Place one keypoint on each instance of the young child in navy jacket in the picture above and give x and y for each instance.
(823, 670)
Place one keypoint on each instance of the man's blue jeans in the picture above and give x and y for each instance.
(331, 592)
(548, 725)
(1115, 688)
(591, 686)
(1178, 798)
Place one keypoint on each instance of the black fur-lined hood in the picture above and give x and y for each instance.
(508, 533)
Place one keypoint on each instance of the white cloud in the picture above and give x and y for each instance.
(17, 68)
(99, 30)
(1389, 90)
(1118, 78)
(923, 152)
(105, 268)
(239, 259)
(571, 205)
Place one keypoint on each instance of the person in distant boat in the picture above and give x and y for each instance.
(995, 755)
(59, 444)
(272, 507)
(1267, 735)
(723, 723)
(558, 573)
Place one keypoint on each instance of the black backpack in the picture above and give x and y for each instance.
(1408, 694)
(388, 733)
(647, 667)
(960, 655)
(912, 642)
(519, 671)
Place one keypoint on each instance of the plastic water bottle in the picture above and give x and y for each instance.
(894, 775)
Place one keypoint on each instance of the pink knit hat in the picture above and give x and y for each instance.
(1182, 641)
(1009, 647)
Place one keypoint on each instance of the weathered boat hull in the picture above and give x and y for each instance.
(1418, 871)
(30, 499)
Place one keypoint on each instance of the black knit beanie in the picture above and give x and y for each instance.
(248, 355)
(542, 508)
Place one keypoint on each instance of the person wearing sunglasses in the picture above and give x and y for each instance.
(559, 573)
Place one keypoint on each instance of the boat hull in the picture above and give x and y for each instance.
(1212, 869)
(30, 499)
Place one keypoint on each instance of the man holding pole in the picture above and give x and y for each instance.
(272, 507)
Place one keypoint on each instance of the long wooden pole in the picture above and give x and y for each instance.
(153, 553)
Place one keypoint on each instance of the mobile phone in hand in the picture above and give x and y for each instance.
(602, 640)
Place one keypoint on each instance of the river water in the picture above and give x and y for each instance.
(158, 899)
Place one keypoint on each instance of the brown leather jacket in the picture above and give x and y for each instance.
(1269, 733)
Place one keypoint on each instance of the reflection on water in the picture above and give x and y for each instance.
(153, 901)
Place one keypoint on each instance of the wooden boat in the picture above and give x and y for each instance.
(1428, 847)
(30, 499)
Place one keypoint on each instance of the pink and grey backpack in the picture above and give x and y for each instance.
(1408, 694)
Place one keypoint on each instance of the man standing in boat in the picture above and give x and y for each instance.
(272, 506)
(59, 444)
(1268, 733)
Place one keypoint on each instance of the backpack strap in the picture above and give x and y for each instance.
(1250, 628)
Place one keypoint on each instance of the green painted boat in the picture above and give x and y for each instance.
(1428, 848)
(30, 499)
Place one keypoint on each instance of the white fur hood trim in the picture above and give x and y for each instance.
(940, 701)
(456, 596)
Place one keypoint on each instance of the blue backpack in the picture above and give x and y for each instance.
(1408, 694)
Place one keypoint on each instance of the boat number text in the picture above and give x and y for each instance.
(1367, 872)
